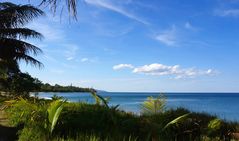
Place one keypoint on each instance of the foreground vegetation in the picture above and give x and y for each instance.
(56, 120)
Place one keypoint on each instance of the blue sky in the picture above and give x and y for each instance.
(141, 45)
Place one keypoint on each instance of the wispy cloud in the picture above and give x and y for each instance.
(157, 69)
(69, 58)
(70, 51)
(89, 60)
(228, 12)
(180, 36)
(189, 26)
(123, 66)
(168, 37)
(84, 59)
(110, 6)
(50, 33)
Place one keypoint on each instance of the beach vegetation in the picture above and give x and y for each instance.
(154, 105)
(58, 120)
(38, 118)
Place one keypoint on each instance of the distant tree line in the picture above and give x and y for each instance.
(58, 88)
(21, 84)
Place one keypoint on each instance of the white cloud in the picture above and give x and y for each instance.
(164, 70)
(112, 7)
(69, 58)
(89, 60)
(156, 69)
(84, 59)
(228, 12)
(176, 70)
(123, 66)
(168, 37)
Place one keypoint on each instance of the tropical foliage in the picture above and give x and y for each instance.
(13, 47)
(154, 105)
(59, 120)
(54, 111)
(70, 5)
(21, 84)
(39, 118)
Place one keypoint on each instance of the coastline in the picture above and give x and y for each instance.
(209, 103)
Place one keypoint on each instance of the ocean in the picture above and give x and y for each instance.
(224, 105)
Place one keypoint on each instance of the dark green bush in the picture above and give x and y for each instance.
(88, 118)
(103, 121)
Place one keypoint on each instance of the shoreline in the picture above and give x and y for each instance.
(197, 103)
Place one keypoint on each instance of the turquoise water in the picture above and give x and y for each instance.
(224, 105)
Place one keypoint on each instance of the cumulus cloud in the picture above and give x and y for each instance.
(165, 70)
(110, 6)
(156, 69)
(168, 37)
(123, 66)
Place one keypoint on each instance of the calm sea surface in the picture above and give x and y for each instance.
(224, 105)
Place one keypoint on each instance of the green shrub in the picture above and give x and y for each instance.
(154, 105)
(39, 118)
(89, 118)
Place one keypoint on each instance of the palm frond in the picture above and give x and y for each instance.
(8, 45)
(177, 120)
(4, 5)
(21, 33)
(215, 124)
(54, 4)
(29, 60)
(54, 111)
(96, 97)
(12, 15)
(153, 105)
(12, 48)
(103, 100)
(99, 99)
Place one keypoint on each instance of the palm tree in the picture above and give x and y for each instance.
(69, 4)
(13, 47)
